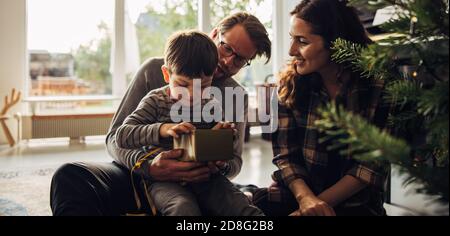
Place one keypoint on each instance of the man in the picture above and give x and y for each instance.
(106, 189)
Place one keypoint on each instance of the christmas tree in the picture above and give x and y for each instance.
(413, 63)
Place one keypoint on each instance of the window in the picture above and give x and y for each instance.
(155, 21)
(69, 45)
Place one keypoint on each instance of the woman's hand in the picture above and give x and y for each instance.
(174, 130)
(313, 206)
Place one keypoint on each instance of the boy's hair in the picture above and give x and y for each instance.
(191, 53)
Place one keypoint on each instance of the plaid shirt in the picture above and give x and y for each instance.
(299, 155)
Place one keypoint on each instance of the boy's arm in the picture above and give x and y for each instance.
(149, 77)
(141, 128)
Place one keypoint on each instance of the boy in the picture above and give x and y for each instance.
(190, 57)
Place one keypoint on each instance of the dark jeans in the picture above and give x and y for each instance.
(104, 189)
(216, 197)
(101, 189)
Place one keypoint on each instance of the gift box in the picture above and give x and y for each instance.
(204, 145)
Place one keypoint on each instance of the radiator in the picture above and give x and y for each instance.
(56, 126)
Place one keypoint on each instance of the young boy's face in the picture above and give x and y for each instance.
(179, 83)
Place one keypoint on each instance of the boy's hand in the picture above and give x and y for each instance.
(175, 130)
(224, 125)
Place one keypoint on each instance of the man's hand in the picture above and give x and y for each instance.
(174, 130)
(167, 167)
(216, 166)
(313, 206)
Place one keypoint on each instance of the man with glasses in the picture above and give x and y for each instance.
(105, 189)
(227, 51)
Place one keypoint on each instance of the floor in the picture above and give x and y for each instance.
(26, 171)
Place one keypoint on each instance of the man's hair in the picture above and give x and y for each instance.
(191, 53)
(255, 29)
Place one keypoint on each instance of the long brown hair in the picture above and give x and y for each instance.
(330, 19)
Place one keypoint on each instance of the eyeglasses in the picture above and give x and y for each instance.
(227, 51)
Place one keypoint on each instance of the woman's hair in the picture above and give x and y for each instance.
(191, 53)
(330, 19)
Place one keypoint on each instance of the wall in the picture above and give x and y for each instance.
(13, 56)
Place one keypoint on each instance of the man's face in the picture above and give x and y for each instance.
(235, 43)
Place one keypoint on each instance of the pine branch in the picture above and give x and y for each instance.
(402, 121)
(438, 140)
(434, 180)
(379, 60)
(432, 15)
(419, 43)
(425, 58)
(434, 105)
(402, 25)
(370, 62)
(403, 92)
(363, 138)
(435, 102)
(346, 52)
(370, 144)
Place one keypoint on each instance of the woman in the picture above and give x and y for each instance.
(312, 180)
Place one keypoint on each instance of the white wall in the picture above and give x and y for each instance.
(118, 55)
(204, 16)
(13, 52)
(281, 24)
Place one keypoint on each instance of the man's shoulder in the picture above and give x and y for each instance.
(152, 63)
(149, 76)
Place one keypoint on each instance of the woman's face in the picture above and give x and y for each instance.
(307, 49)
